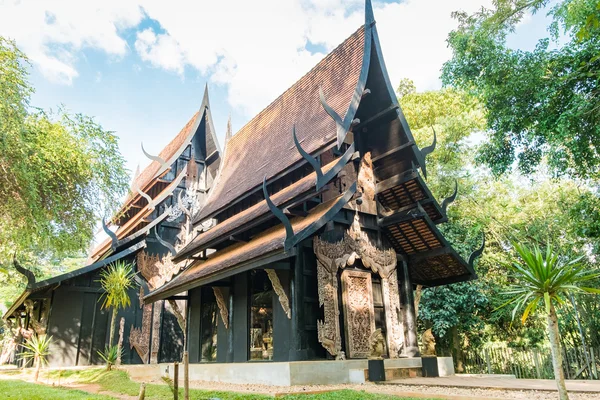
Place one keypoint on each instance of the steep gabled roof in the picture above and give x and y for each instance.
(264, 146)
(175, 147)
(147, 180)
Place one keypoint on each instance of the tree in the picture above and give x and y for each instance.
(116, 281)
(541, 104)
(59, 172)
(543, 277)
(37, 349)
(507, 208)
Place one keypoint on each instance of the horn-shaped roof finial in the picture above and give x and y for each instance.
(476, 253)
(24, 271)
(228, 133)
(205, 101)
(369, 16)
(446, 202)
(111, 234)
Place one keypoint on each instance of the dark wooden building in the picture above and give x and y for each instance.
(153, 223)
(318, 225)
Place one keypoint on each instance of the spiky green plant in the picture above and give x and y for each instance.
(110, 355)
(116, 281)
(36, 349)
(547, 279)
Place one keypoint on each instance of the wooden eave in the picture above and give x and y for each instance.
(432, 260)
(242, 255)
(259, 213)
(56, 280)
(402, 192)
(139, 218)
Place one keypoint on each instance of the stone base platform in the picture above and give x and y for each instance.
(319, 372)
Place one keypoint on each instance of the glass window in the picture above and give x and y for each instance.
(261, 316)
(208, 325)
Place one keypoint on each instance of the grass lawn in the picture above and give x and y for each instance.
(118, 382)
(19, 390)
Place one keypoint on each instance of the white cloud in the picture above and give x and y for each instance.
(255, 48)
(51, 32)
(160, 50)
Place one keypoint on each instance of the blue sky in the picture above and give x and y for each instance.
(140, 67)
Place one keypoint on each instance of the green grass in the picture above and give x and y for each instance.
(118, 382)
(19, 390)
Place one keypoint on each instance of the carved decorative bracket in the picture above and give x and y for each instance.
(222, 306)
(283, 299)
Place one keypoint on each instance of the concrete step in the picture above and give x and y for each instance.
(398, 373)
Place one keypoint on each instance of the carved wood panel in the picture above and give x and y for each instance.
(333, 256)
(359, 315)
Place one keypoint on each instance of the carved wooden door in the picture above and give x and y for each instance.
(359, 315)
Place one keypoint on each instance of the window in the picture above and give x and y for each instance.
(261, 316)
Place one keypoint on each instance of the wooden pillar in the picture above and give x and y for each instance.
(193, 324)
(296, 304)
(230, 329)
(407, 305)
(240, 311)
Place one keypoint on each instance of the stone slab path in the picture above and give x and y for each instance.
(582, 386)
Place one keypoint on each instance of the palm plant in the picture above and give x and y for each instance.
(116, 281)
(110, 355)
(547, 279)
(37, 349)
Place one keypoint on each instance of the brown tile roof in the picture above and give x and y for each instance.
(303, 186)
(265, 243)
(264, 146)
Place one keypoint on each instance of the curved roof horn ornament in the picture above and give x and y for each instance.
(24, 271)
(476, 253)
(289, 231)
(291, 238)
(450, 199)
(111, 234)
(135, 188)
(163, 163)
(425, 151)
(339, 123)
(323, 179)
(164, 243)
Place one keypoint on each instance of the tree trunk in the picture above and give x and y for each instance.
(418, 294)
(38, 364)
(460, 368)
(113, 326)
(557, 362)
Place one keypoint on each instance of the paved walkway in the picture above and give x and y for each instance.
(584, 386)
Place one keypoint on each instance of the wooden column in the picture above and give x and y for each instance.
(240, 311)
(407, 305)
(296, 304)
(230, 329)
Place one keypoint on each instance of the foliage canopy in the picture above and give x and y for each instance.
(59, 172)
(541, 104)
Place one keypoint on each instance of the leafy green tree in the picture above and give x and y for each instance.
(543, 278)
(59, 172)
(116, 281)
(541, 104)
(37, 349)
(509, 208)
